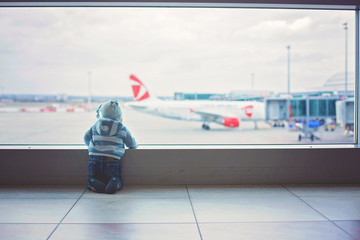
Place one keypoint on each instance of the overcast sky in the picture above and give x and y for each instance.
(52, 50)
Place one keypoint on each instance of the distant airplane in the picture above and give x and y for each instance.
(226, 113)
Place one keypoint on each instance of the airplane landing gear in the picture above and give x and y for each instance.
(205, 126)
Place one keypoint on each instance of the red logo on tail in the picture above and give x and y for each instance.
(139, 89)
(248, 110)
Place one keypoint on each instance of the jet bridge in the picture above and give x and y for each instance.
(277, 111)
(345, 113)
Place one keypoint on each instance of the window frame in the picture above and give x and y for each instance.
(350, 5)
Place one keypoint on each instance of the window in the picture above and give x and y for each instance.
(322, 108)
(213, 70)
(331, 108)
(314, 106)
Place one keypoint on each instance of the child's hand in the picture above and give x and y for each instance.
(134, 147)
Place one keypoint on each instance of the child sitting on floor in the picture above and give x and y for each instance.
(106, 141)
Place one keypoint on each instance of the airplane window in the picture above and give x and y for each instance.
(181, 75)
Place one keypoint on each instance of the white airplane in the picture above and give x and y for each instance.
(226, 113)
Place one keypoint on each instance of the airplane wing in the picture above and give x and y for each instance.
(208, 115)
(223, 119)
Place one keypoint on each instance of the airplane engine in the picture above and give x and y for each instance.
(231, 122)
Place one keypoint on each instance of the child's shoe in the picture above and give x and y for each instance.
(96, 185)
(120, 185)
(112, 186)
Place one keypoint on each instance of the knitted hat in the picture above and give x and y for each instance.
(110, 110)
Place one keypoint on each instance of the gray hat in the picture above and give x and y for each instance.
(110, 110)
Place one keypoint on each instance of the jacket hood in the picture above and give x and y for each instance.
(107, 127)
(109, 110)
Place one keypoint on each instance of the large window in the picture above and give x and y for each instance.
(214, 75)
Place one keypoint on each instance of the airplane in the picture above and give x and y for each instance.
(226, 113)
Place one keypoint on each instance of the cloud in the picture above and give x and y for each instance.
(302, 24)
(173, 49)
(281, 27)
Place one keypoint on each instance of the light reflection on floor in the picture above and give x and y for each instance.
(182, 212)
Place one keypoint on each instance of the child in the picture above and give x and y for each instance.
(106, 139)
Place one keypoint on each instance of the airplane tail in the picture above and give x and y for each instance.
(139, 89)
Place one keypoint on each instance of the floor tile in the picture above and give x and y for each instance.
(34, 210)
(127, 231)
(238, 191)
(325, 190)
(38, 192)
(273, 231)
(131, 211)
(253, 210)
(26, 231)
(336, 208)
(351, 227)
(130, 192)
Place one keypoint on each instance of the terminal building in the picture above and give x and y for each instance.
(326, 102)
(239, 95)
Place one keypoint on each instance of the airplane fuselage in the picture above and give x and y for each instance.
(191, 110)
(226, 113)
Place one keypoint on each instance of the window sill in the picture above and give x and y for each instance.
(185, 146)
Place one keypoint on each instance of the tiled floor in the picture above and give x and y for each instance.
(182, 212)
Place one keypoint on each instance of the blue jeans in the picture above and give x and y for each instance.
(101, 170)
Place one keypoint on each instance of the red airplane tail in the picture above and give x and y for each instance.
(139, 89)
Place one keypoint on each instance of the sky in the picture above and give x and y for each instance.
(62, 50)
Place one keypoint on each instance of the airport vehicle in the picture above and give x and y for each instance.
(226, 113)
(330, 124)
(308, 129)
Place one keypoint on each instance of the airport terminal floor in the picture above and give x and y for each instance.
(183, 212)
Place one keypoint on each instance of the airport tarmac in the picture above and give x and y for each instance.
(69, 128)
